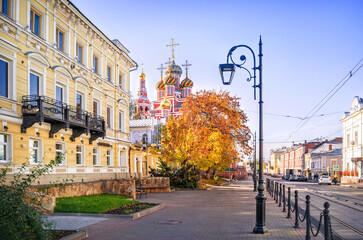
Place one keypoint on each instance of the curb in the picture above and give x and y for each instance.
(132, 216)
(76, 236)
(352, 186)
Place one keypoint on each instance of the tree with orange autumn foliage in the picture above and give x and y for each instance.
(209, 134)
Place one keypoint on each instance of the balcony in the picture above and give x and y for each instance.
(39, 109)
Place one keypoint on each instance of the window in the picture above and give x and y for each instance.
(35, 22)
(34, 84)
(4, 78)
(95, 64)
(60, 39)
(95, 108)
(109, 157)
(5, 6)
(60, 151)
(122, 158)
(95, 157)
(35, 151)
(121, 121)
(109, 117)
(79, 52)
(144, 139)
(109, 73)
(59, 94)
(79, 155)
(4, 148)
(120, 81)
(79, 102)
(348, 140)
(355, 137)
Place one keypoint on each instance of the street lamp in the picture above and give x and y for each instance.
(229, 69)
(254, 163)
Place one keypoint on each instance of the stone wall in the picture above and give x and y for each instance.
(155, 184)
(122, 187)
(43, 202)
(240, 174)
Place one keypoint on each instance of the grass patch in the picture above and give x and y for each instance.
(216, 182)
(91, 204)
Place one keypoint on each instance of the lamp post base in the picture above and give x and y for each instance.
(260, 227)
(255, 183)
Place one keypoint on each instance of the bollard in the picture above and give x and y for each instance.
(296, 209)
(288, 202)
(277, 192)
(280, 194)
(327, 224)
(283, 199)
(307, 218)
(272, 188)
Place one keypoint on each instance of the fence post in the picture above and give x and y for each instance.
(288, 202)
(280, 194)
(307, 218)
(296, 209)
(327, 224)
(273, 189)
(283, 199)
(277, 192)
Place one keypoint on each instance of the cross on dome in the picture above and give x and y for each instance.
(161, 68)
(186, 65)
(172, 45)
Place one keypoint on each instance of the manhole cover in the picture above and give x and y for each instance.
(169, 222)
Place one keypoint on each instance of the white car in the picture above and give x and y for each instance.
(324, 179)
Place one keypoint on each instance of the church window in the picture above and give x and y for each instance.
(145, 139)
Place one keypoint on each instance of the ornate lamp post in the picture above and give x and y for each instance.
(227, 71)
(254, 163)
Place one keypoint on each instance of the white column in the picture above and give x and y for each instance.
(17, 11)
(27, 13)
(46, 25)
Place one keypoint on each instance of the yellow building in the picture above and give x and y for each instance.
(64, 88)
(275, 159)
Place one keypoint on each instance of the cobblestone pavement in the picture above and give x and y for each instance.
(222, 213)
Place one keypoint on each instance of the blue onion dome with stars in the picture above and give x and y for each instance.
(174, 69)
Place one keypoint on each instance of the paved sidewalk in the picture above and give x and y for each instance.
(222, 213)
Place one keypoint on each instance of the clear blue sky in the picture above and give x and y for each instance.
(308, 47)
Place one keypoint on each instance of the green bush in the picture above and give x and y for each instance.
(20, 214)
(183, 177)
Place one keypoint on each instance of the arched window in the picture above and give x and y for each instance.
(144, 139)
(146, 109)
(140, 108)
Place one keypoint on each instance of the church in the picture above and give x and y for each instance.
(171, 91)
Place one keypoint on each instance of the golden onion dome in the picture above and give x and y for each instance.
(165, 104)
(142, 76)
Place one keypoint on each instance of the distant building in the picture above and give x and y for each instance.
(353, 142)
(325, 157)
(275, 160)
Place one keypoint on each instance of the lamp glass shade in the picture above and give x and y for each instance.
(227, 71)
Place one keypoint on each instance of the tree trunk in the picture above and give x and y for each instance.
(208, 174)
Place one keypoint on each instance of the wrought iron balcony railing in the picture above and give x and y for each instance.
(38, 109)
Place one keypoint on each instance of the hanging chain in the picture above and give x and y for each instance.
(318, 230)
(304, 217)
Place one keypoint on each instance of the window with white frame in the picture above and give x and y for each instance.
(120, 81)
(79, 155)
(4, 78)
(95, 157)
(36, 22)
(144, 139)
(121, 121)
(60, 39)
(109, 120)
(109, 74)
(109, 157)
(60, 153)
(79, 52)
(122, 158)
(5, 7)
(5, 148)
(34, 84)
(35, 151)
(96, 107)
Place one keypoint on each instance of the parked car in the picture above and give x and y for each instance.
(301, 178)
(293, 178)
(324, 179)
(274, 175)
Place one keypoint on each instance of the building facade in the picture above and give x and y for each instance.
(325, 157)
(64, 90)
(353, 142)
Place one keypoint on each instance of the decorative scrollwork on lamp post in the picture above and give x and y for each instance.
(227, 72)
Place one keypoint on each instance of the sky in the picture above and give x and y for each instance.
(308, 48)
